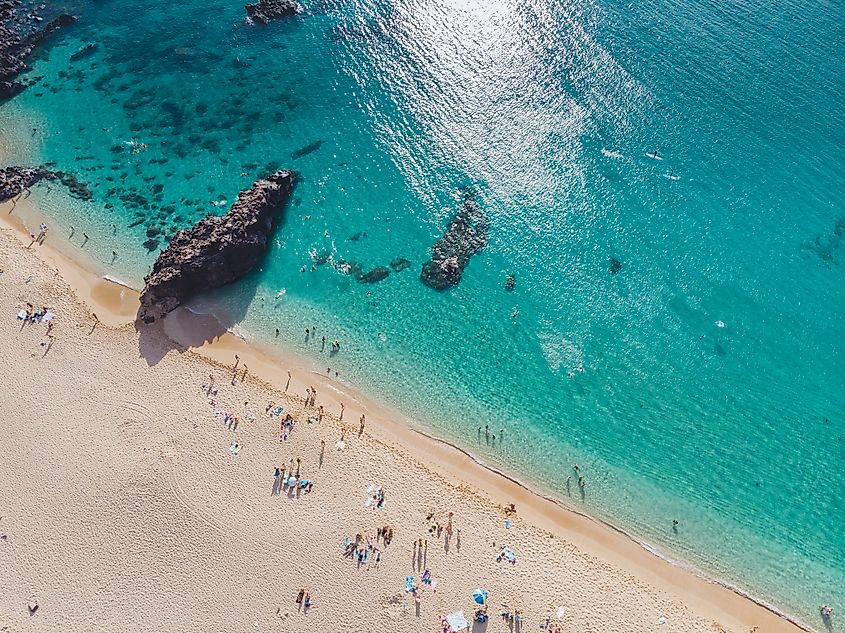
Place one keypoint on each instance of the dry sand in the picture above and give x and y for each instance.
(123, 509)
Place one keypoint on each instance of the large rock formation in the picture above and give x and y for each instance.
(19, 39)
(465, 236)
(15, 180)
(265, 11)
(217, 250)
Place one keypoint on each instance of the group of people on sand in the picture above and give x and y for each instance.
(310, 396)
(437, 527)
(31, 315)
(42, 233)
(513, 618)
(286, 480)
(364, 549)
(303, 599)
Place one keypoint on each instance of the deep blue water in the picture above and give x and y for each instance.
(704, 380)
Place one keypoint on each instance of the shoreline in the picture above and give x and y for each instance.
(116, 304)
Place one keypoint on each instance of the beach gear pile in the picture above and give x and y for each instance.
(35, 315)
(426, 581)
(453, 623)
(507, 554)
(361, 550)
(375, 497)
(289, 482)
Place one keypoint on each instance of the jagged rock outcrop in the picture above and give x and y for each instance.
(265, 11)
(15, 180)
(217, 250)
(465, 236)
(18, 40)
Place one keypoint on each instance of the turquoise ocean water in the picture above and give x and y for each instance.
(703, 381)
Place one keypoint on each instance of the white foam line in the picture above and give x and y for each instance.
(119, 282)
(644, 544)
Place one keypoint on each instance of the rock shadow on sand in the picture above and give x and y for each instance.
(187, 327)
(218, 252)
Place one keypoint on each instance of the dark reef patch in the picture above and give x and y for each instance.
(265, 11)
(465, 236)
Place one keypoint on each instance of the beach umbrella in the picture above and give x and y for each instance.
(479, 596)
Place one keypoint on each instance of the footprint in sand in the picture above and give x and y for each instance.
(393, 606)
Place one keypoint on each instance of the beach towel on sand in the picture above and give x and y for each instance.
(409, 583)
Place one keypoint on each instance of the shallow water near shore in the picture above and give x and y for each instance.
(703, 380)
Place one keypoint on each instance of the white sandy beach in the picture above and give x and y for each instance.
(122, 507)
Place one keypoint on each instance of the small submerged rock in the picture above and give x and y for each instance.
(399, 264)
(265, 11)
(615, 265)
(376, 274)
(84, 52)
(308, 149)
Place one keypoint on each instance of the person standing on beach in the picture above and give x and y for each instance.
(361, 429)
(237, 360)
(342, 407)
